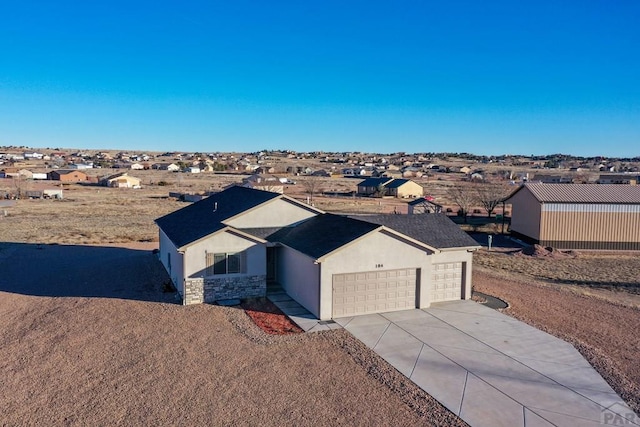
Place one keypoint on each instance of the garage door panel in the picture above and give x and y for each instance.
(446, 281)
(374, 292)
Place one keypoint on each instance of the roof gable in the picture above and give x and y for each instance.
(277, 212)
(202, 218)
(396, 183)
(374, 182)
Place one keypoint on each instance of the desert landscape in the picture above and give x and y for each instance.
(91, 336)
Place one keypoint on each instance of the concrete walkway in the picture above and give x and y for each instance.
(490, 369)
(297, 313)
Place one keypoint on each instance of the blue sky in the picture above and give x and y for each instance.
(495, 77)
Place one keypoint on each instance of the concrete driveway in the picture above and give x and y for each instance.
(491, 369)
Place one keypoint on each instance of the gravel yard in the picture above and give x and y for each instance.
(89, 338)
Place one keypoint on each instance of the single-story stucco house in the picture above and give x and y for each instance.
(121, 180)
(384, 186)
(232, 243)
(68, 176)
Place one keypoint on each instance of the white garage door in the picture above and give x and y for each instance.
(446, 281)
(373, 292)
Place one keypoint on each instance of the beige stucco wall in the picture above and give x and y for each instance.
(377, 248)
(195, 254)
(276, 213)
(168, 249)
(525, 214)
(124, 181)
(410, 189)
(299, 275)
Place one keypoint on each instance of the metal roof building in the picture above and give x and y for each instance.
(577, 216)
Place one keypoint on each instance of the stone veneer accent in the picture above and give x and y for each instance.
(193, 291)
(199, 290)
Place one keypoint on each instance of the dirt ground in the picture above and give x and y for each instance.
(89, 338)
(91, 214)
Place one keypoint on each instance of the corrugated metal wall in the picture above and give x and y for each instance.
(590, 226)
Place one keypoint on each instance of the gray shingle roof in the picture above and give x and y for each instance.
(421, 200)
(396, 183)
(202, 218)
(584, 193)
(261, 232)
(314, 237)
(322, 234)
(374, 182)
(435, 230)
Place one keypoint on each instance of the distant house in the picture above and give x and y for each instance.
(423, 205)
(354, 172)
(121, 180)
(551, 179)
(577, 216)
(68, 176)
(373, 186)
(476, 177)
(264, 169)
(618, 179)
(264, 182)
(48, 193)
(172, 167)
(193, 169)
(391, 173)
(80, 166)
(412, 173)
(320, 172)
(295, 170)
(25, 173)
(136, 166)
(402, 188)
(231, 244)
(9, 173)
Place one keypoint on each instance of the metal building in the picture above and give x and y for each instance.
(577, 216)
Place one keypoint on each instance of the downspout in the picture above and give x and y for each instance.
(320, 289)
(184, 280)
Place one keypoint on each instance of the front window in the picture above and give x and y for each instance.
(224, 263)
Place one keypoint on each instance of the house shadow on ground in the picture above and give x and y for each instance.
(51, 270)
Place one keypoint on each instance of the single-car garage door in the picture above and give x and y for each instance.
(373, 292)
(446, 281)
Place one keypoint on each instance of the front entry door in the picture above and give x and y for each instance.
(271, 264)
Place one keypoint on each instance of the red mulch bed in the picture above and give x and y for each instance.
(268, 317)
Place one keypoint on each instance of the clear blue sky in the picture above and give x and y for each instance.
(486, 77)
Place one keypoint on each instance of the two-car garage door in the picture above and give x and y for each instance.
(390, 290)
(373, 292)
